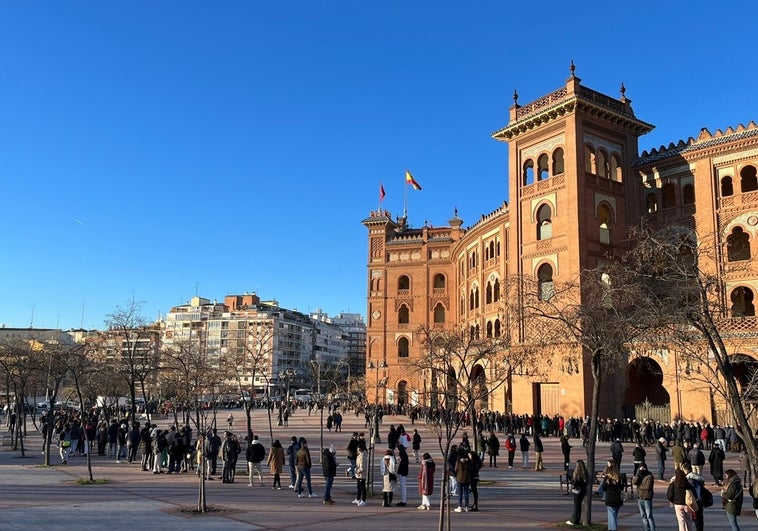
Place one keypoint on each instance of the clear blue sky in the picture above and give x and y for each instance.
(155, 150)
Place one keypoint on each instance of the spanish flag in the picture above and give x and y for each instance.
(381, 192)
(410, 180)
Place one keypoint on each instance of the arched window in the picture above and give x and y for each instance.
(476, 332)
(471, 300)
(602, 163)
(652, 203)
(542, 170)
(605, 216)
(476, 296)
(738, 245)
(403, 347)
(472, 332)
(497, 327)
(403, 282)
(558, 161)
(748, 179)
(488, 294)
(688, 194)
(489, 329)
(439, 313)
(616, 173)
(462, 304)
(439, 281)
(545, 278)
(544, 223)
(742, 302)
(589, 160)
(528, 172)
(403, 315)
(669, 195)
(496, 294)
(727, 188)
(492, 248)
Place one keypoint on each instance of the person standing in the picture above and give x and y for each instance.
(476, 466)
(230, 422)
(275, 462)
(754, 493)
(426, 481)
(696, 458)
(361, 470)
(303, 464)
(731, 497)
(402, 474)
(493, 448)
(227, 454)
(255, 454)
(676, 494)
(644, 481)
(388, 469)
(660, 455)
(579, 481)
(292, 450)
(510, 447)
(452, 459)
(329, 467)
(524, 444)
(698, 487)
(566, 451)
(716, 461)
(416, 442)
(352, 454)
(613, 499)
(617, 452)
(463, 473)
(638, 455)
(538, 449)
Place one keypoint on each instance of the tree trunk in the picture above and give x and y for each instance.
(596, 381)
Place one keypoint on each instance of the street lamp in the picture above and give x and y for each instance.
(316, 362)
(375, 438)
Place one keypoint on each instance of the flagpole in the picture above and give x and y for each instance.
(380, 195)
(405, 200)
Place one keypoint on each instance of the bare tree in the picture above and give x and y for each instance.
(132, 345)
(688, 293)
(598, 314)
(463, 370)
(187, 366)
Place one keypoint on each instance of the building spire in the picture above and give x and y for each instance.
(572, 68)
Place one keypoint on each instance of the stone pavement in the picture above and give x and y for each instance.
(35, 497)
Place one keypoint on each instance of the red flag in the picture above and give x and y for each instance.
(381, 192)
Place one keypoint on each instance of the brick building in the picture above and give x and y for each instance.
(577, 182)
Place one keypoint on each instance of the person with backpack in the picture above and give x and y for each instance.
(255, 454)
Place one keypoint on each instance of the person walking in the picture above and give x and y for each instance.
(579, 482)
(696, 458)
(638, 456)
(361, 471)
(426, 481)
(731, 498)
(352, 453)
(275, 462)
(644, 481)
(676, 494)
(254, 454)
(617, 452)
(329, 467)
(702, 495)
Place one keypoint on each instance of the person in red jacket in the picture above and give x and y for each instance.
(510, 447)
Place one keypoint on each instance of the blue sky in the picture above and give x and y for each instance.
(155, 150)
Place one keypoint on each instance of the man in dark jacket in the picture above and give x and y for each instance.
(644, 482)
(697, 459)
(538, 449)
(329, 466)
(291, 454)
(255, 454)
(303, 464)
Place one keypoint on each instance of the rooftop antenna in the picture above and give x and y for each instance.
(31, 322)
(81, 323)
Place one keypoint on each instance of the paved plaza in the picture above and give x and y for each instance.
(35, 497)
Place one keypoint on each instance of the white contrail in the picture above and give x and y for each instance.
(80, 222)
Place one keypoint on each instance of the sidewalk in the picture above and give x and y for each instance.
(35, 497)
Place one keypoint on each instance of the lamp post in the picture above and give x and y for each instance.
(316, 362)
(375, 438)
